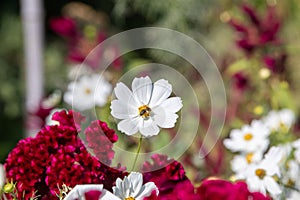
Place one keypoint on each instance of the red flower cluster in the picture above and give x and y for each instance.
(173, 184)
(56, 156)
(100, 140)
(212, 189)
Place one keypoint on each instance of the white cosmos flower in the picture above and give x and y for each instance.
(278, 120)
(241, 162)
(260, 177)
(250, 138)
(87, 92)
(132, 188)
(2, 176)
(146, 108)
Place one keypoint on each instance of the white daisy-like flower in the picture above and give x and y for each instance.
(291, 175)
(132, 188)
(260, 177)
(87, 92)
(52, 100)
(240, 163)
(294, 195)
(250, 138)
(296, 145)
(2, 176)
(146, 108)
(280, 120)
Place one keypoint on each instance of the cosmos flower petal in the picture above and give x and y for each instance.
(173, 104)
(162, 89)
(271, 186)
(148, 128)
(78, 191)
(142, 89)
(129, 126)
(163, 118)
(107, 195)
(123, 93)
(121, 110)
(136, 180)
(146, 190)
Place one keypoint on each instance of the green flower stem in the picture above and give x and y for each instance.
(137, 153)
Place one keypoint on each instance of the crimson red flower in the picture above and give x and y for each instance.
(64, 26)
(56, 156)
(212, 189)
(169, 177)
(100, 140)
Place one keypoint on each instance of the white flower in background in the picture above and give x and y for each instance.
(250, 138)
(291, 176)
(280, 120)
(2, 176)
(260, 177)
(52, 100)
(79, 70)
(132, 188)
(49, 121)
(294, 195)
(240, 163)
(146, 108)
(296, 145)
(87, 92)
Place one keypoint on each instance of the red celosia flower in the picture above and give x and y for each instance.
(100, 140)
(212, 189)
(170, 179)
(56, 156)
(260, 32)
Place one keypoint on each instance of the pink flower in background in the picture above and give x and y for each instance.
(64, 26)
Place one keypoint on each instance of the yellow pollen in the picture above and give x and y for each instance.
(261, 173)
(249, 157)
(129, 198)
(88, 91)
(145, 111)
(248, 136)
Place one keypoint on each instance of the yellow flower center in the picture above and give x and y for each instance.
(129, 198)
(88, 91)
(261, 173)
(248, 136)
(145, 111)
(249, 157)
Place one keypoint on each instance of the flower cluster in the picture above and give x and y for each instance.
(55, 157)
(262, 169)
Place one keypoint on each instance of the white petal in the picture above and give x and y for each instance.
(130, 126)
(120, 110)
(123, 93)
(146, 191)
(161, 91)
(136, 180)
(106, 195)
(118, 189)
(142, 89)
(164, 119)
(148, 128)
(272, 187)
(78, 191)
(2, 176)
(173, 104)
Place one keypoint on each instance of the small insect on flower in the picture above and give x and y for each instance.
(146, 108)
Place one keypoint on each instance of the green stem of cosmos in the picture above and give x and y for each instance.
(137, 153)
